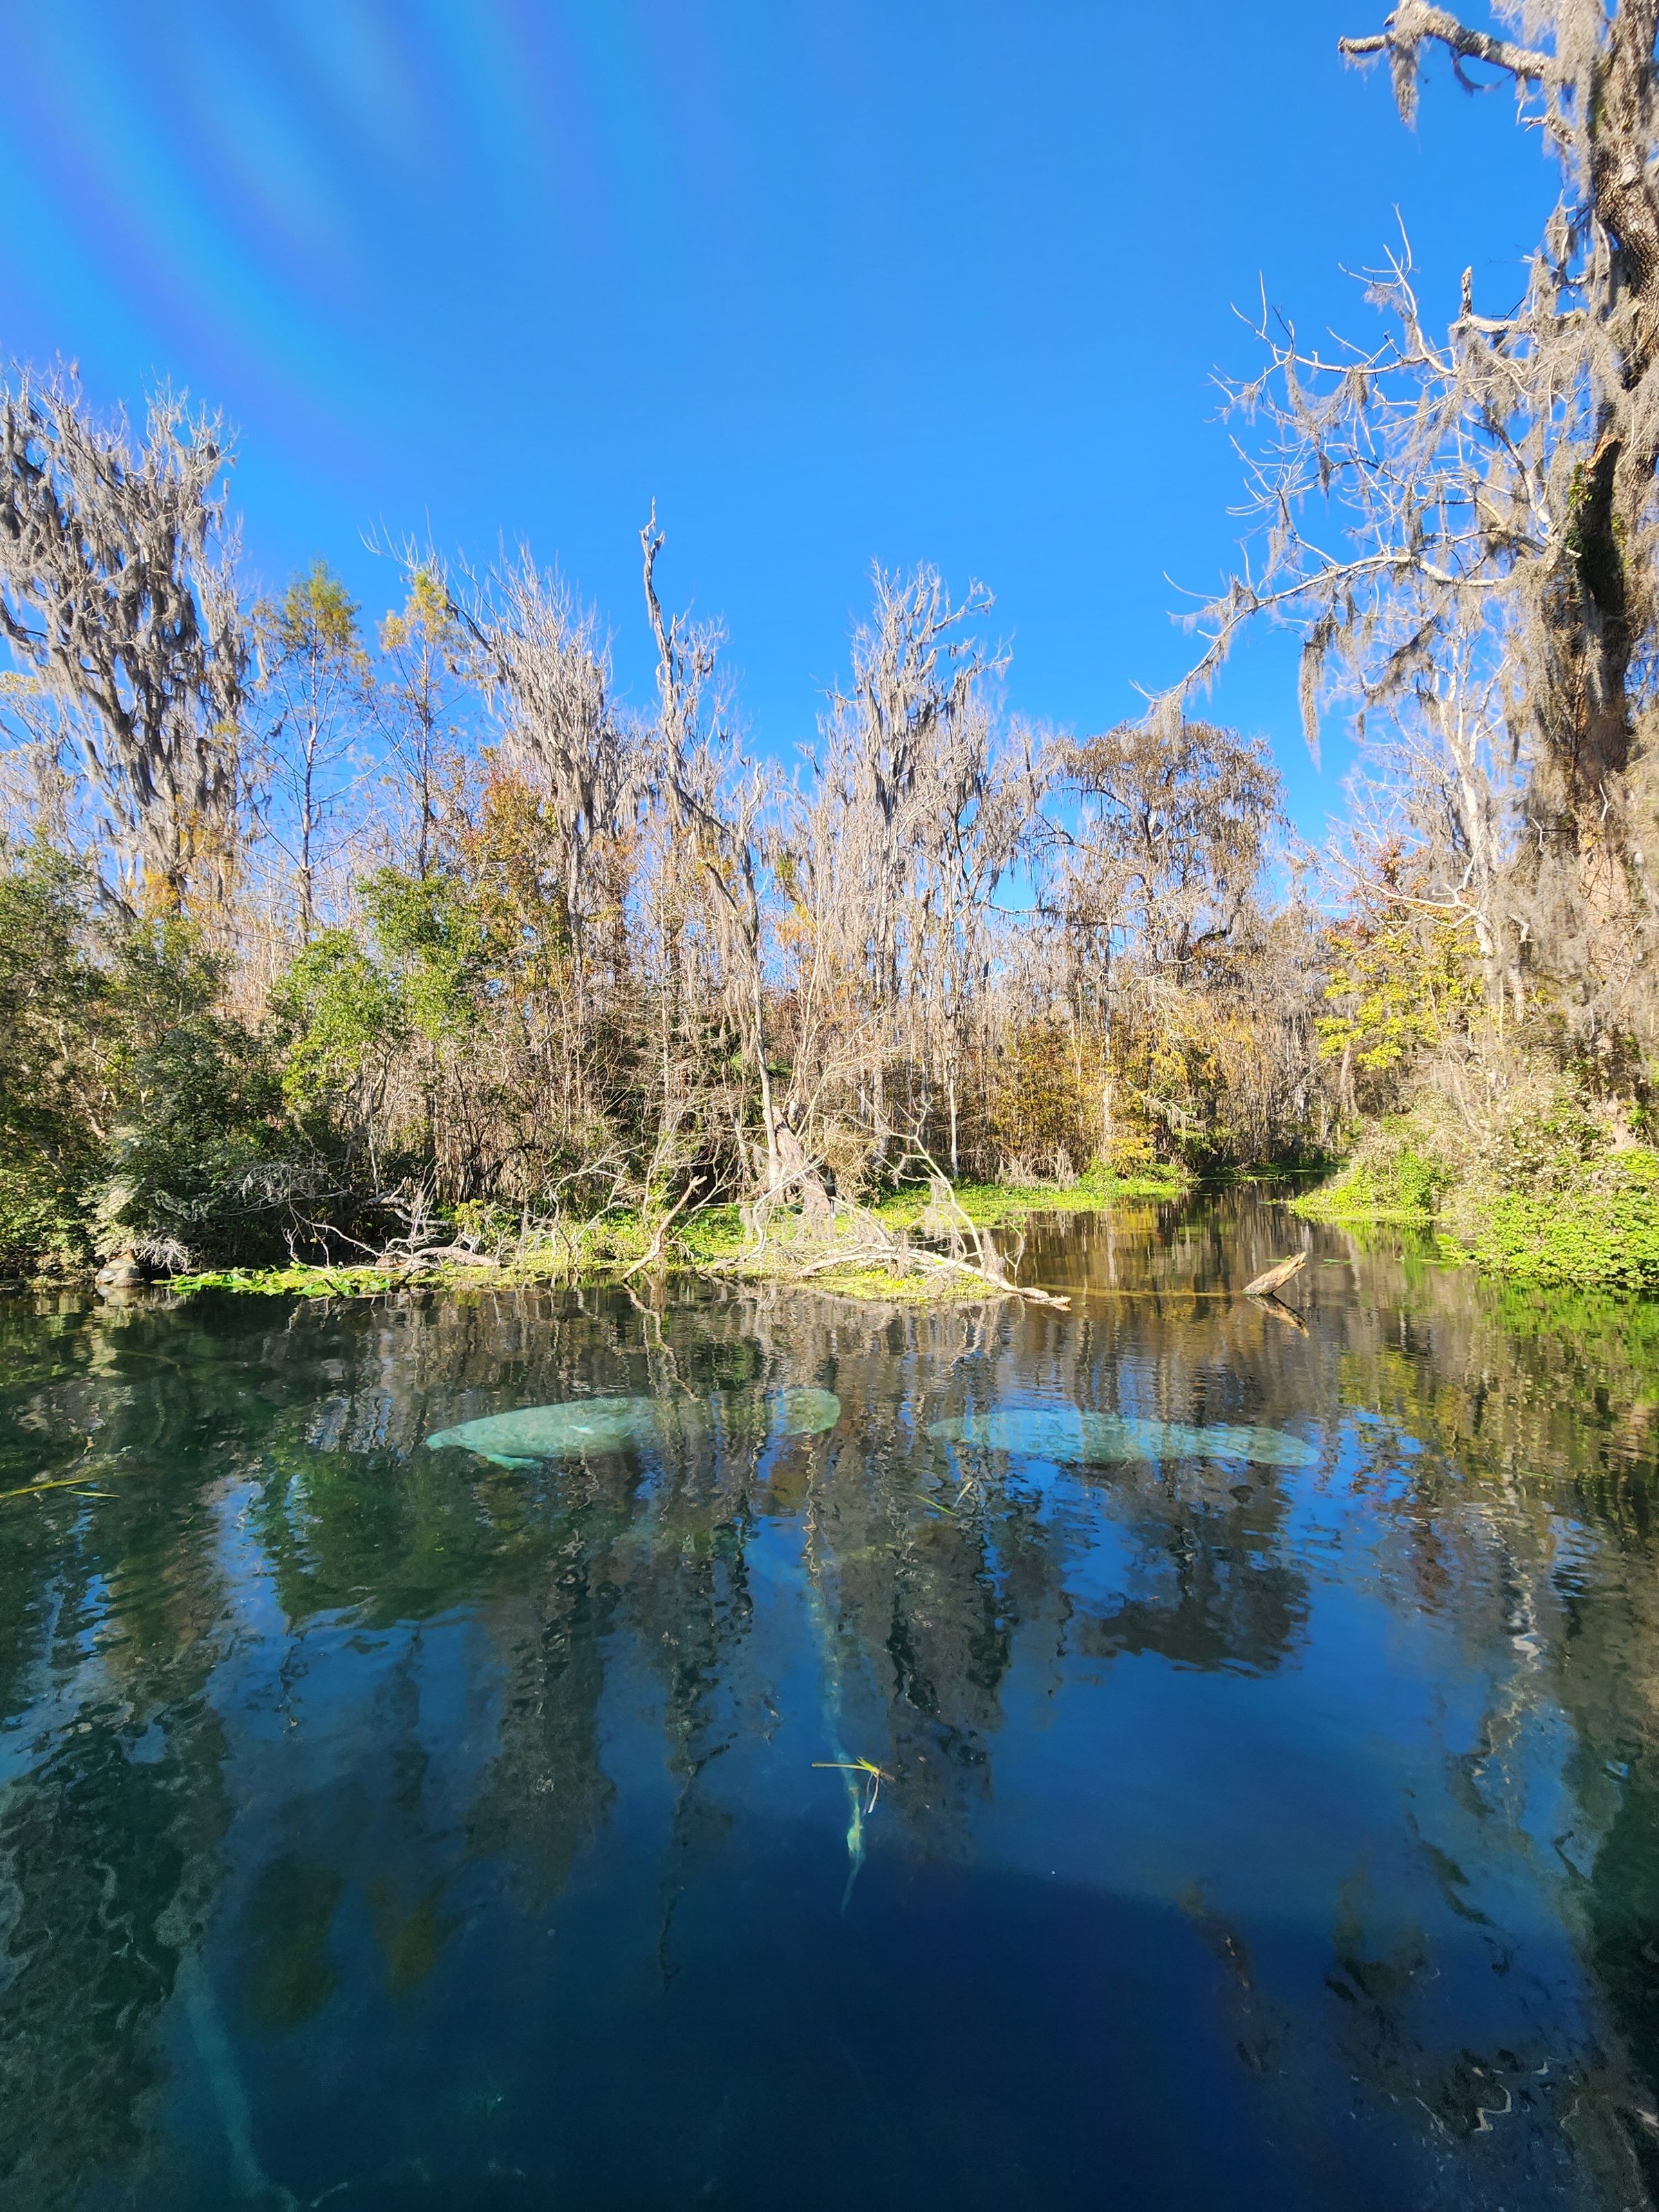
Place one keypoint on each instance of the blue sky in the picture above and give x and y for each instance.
(881, 279)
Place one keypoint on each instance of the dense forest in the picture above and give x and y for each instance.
(330, 932)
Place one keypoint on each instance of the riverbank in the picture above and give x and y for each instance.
(1564, 1209)
(715, 1241)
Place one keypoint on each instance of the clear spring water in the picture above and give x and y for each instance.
(384, 1827)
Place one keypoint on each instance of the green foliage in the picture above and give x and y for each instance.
(296, 1281)
(993, 1205)
(1392, 1179)
(430, 928)
(50, 1080)
(43, 1220)
(1400, 987)
(485, 1226)
(1604, 1232)
(712, 1232)
(136, 1115)
(317, 616)
(1534, 1189)
(193, 1165)
(338, 1014)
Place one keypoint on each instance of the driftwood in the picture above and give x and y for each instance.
(1274, 1278)
(447, 1255)
(846, 1235)
(902, 1260)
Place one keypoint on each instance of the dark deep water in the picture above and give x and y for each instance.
(381, 1827)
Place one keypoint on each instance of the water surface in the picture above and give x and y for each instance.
(1007, 1795)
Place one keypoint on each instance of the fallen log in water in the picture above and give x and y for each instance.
(1274, 1278)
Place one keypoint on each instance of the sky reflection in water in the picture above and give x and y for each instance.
(384, 1827)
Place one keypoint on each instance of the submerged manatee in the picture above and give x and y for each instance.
(802, 1412)
(532, 1433)
(1064, 1432)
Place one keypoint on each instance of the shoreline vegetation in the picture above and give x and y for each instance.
(1577, 1212)
(1594, 1225)
(919, 1245)
(1604, 1237)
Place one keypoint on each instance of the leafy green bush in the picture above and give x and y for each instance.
(195, 1171)
(52, 1081)
(431, 929)
(1533, 1187)
(1394, 1176)
(1604, 1231)
(43, 1218)
(336, 1015)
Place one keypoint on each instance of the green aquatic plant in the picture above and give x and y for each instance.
(876, 1776)
(80, 1482)
(1604, 1232)
(834, 1694)
(530, 1434)
(1067, 1433)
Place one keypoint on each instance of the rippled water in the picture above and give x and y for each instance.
(758, 1815)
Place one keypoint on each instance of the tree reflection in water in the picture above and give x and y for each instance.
(1283, 1833)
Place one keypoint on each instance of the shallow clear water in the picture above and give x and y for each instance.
(383, 1826)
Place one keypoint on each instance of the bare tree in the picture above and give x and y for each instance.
(1155, 887)
(546, 671)
(714, 802)
(917, 806)
(577, 766)
(1576, 526)
(1172, 839)
(317, 680)
(1440, 786)
(1491, 486)
(117, 586)
(418, 699)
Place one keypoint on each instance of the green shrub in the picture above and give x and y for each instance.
(195, 1172)
(335, 1016)
(430, 928)
(43, 1217)
(51, 1077)
(1605, 1231)
(1533, 1189)
(1394, 1176)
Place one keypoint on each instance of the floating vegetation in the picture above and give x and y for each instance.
(530, 1434)
(875, 1775)
(1065, 1432)
(80, 1482)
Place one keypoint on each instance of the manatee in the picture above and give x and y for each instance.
(804, 1412)
(1065, 1432)
(533, 1433)
(530, 1434)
